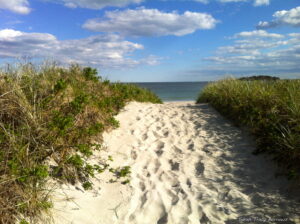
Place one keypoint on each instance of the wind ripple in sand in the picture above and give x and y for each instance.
(189, 165)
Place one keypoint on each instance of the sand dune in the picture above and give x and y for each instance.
(189, 165)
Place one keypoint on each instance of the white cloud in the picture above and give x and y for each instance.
(17, 6)
(97, 4)
(22, 6)
(254, 53)
(284, 17)
(151, 22)
(202, 1)
(251, 42)
(233, 1)
(7, 34)
(261, 2)
(106, 51)
(258, 34)
(295, 35)
(255, 2)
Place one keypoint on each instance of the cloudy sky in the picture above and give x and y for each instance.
(157, 40)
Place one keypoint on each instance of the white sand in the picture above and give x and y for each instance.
(189, 165)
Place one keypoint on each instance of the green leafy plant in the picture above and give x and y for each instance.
(23, 221)
(90, 74)
(87, 185)
(85, 149)
(78, 103)
(123, 172)
(114, 122)
(76, 161)
(60, 85)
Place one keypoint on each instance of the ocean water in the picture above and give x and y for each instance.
(175, 91)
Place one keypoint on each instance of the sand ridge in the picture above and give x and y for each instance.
(189, 165)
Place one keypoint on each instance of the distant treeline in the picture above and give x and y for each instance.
(260, 77)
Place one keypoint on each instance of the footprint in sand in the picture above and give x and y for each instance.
(142, 186)
(144, 137)
(199, 167)
(166, 133)
(174, 165)
(177, 150)
(159, 152)
(133, 154)
(191, 147)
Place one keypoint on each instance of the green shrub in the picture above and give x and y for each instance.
(87, 185)
(124, 171)
(85, 149)
(23, 221)
(90, 74)
(60, 85)
(78, 103)
(114, 122)
(76, 161)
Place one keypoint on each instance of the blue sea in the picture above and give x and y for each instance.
(175, 91)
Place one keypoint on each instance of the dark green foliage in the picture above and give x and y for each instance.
(44, 205)
(270, 109)
(114, 122)
(76, 161)
(23, 221)
(260, 77)
(85, 149)
(123, 172)
(100, 169)
(78, 103)
(133, 92)
(106, 82)
(90, 74)
(87, 185)
(40, 172)
(89, 170)
(61, 122)
(60, 85)
(94, 129)
(127, 181)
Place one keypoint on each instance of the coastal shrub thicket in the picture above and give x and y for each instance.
(51, 120)
(271, 110)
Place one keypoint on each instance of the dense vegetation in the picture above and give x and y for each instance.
(270, 109)
(260, 77)
(53, 115)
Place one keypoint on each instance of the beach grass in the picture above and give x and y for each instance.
(53, 115)
(270, 109)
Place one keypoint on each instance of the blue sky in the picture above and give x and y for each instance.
(157, 40)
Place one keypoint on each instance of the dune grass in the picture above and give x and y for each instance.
(53, 115)
(270, 109)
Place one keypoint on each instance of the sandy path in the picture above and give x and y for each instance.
(189, 165)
